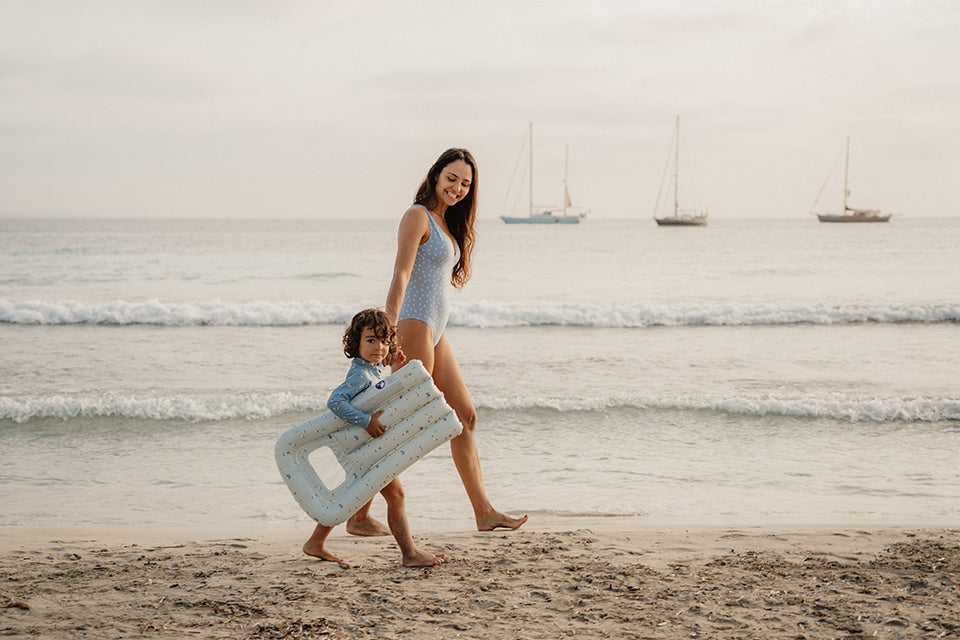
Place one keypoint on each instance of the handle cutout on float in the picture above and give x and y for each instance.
(328, 468)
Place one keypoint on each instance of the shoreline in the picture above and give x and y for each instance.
(601, 580)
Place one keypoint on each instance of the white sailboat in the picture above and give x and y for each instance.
(679, 217)
(564, 214)
(849, 214)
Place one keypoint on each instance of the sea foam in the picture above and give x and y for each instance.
(187, 408)
(835, 407)
(736, 312)
(257, 406)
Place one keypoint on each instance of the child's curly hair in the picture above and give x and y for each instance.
(369, 319)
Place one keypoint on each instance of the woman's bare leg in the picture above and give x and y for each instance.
(449, 379)
(416, 340)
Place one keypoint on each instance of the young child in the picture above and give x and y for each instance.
(372, 343)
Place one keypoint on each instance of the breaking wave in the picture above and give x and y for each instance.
(737, 312)
(830, 407)
(257, 406)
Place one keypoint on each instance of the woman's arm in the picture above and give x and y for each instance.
(414, 231)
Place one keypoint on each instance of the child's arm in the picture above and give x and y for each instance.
(340, 404)
(340, 401)
(376, 428)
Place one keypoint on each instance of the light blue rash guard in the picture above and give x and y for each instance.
(361, 375)
(427, 295)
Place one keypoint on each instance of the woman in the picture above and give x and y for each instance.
(434, 246)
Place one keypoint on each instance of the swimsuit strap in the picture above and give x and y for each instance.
(436, 225)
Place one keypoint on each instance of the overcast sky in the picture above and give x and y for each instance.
(296, 109)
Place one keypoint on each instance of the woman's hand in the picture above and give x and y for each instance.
(375, 428)
(395, 357)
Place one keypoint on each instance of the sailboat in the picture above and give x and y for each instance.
(850, 214)
(680, 217)
(564, 214)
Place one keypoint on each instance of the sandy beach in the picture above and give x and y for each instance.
(592, 582)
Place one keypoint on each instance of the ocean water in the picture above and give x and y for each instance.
(773, 371)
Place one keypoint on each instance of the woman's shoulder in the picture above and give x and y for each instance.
(416, 221)
(416, 212)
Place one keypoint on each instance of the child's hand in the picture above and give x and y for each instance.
(375, 428)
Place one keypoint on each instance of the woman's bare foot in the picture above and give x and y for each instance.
(422, 559)
(319, 552)
(367, 527)
(497, 520)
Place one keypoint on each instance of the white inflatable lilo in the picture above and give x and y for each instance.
(416, 420)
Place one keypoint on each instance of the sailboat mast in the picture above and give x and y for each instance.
(846, 169)
(566, 161)
(676, 172)
(531, 168)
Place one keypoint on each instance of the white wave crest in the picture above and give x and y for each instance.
(831, 407)
(175, 407)
(154, 312)
(853, 410)
(735, 312)
(255, 406)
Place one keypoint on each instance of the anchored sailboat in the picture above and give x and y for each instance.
(564, 214)
(849, 214)
(679, 217)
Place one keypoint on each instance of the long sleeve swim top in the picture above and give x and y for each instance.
(361, 375)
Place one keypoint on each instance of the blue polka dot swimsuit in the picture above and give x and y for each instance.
(428, 290)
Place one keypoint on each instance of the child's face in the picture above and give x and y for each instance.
(372, 349)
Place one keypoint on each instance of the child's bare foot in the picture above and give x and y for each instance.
(367, 527)
(319, 552)
(497, 520)
(422, 559)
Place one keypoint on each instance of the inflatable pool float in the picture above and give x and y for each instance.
(416, 418)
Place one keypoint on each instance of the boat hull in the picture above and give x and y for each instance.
(681, 222)
(826, 217)
(542, 220)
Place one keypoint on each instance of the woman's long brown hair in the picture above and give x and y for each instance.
(460, 218)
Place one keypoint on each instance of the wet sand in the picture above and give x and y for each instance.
(799, 582)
